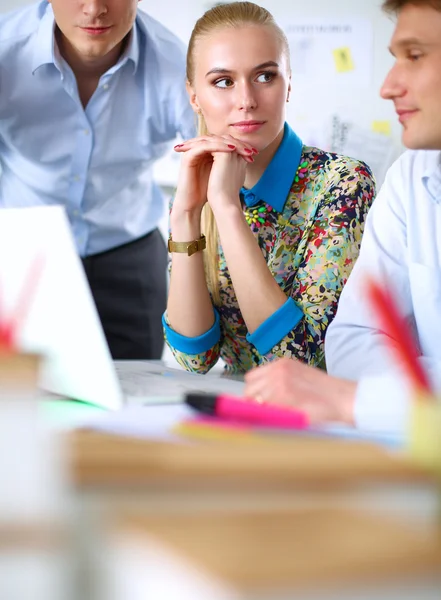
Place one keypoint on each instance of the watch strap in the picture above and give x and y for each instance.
(188, 248)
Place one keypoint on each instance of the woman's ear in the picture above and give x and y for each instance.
(289, 90)
(193, 98)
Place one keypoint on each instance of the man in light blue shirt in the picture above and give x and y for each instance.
(91, 94)
(401, 245)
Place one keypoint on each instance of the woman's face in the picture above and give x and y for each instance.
(241, 83)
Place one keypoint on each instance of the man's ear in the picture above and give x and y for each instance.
(193, 98)
(289, 89)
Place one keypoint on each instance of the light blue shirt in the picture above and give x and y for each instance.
(96, 162)
(402, 247)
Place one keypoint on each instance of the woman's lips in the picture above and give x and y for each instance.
(248, 126)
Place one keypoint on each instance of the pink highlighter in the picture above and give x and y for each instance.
(247, 411)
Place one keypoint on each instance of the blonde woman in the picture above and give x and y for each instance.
(264, 231)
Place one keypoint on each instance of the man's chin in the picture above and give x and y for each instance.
(94, 51)
(420, 142)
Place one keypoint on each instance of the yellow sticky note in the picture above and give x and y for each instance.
(381, 127)
(343, 59)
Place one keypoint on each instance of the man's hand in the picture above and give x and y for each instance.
(289, 382)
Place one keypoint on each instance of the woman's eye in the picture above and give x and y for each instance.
(265, 77)
(223, 83)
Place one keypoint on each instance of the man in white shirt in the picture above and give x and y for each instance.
(401, 246)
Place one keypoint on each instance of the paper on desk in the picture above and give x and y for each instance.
(150, 382)
(337, 430)
(161, 422)
(148, 422)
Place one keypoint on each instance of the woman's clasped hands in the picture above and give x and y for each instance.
(212, 169)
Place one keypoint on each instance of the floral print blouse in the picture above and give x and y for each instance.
(307, 213)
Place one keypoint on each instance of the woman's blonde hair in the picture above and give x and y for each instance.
(234, 15)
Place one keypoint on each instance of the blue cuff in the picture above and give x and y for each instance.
(274, 329)
(193, 345)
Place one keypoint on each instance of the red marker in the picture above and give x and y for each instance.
(398, 334)
(241, 410)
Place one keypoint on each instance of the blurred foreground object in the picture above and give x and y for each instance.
(325, 554)
(271, 518)
(425, 435)
(425, 414)
(34, 554)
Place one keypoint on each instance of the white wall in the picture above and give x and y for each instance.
(6, 5)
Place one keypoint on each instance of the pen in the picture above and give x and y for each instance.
(242, 410)
(398, 334)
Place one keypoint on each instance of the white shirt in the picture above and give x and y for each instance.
(402, 245)
(97, 161)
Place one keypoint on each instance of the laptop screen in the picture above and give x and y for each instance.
(61, 322)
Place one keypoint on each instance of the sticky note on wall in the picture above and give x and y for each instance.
(343, 59)
(381, 127)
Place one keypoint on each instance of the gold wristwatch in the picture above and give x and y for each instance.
(188, 247)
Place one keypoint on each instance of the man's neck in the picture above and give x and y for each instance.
(88, 67)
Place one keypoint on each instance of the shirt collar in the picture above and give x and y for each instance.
(274, 185)
(44, 49)
(46, 52)
(432, 177)
(131, 53)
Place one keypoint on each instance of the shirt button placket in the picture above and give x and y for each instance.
(80, 165)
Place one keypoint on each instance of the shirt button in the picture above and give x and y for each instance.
(106, 86)
(86, 132)
(76, 178)
(75, 213)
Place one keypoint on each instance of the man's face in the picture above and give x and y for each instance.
(93, 28)
(414, 82)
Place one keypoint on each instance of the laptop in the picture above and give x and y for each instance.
(62, 324)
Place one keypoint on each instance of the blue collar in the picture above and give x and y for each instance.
(274, 185)
(46, 51)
